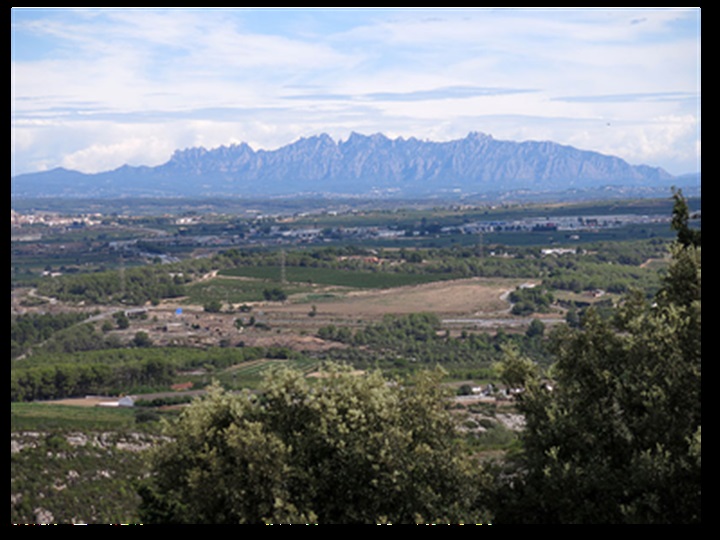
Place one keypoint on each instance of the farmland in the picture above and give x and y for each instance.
(135, 305)
(262, 282)
(367, 279)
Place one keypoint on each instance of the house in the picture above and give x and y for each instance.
(557, 251)
(126, 401)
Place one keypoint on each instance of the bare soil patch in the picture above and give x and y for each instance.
(90, 401)
(475, 296)
(293, 341)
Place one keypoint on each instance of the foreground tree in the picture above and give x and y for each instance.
(344, 449)
(618, 438)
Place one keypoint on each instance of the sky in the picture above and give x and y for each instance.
(95, 89)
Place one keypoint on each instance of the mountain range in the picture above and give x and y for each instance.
(361, 165)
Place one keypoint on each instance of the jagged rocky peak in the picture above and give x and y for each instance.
(201, 151)
(479, 136)
(356, 139)
(194, 151)
(315, 141)
(361, 164)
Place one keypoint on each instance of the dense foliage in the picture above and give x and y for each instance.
(32, 329)
(72, 379)
(348, 449)
(133, 286)
(527, 300)
(418, 340)
(110, 371)
(618, 438)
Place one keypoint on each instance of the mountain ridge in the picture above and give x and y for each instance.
(361, 164)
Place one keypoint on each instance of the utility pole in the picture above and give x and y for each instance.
(122, 276)
(283, 277)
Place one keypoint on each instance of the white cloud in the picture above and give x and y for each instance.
(127, 85)
(103, 157)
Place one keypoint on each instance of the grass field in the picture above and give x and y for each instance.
(236, 291)
(331, 276)
(250, 374)
(39, 416)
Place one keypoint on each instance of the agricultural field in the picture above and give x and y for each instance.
(367, 279)
(158, 311)
(480, 297)
(82, 414)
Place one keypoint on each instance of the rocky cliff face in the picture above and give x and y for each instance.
(359, 165)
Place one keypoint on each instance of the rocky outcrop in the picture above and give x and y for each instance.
(360, 165)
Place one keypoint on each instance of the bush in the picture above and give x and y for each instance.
(274, 295)
(348, 450)
(214, 306)
(143, 416)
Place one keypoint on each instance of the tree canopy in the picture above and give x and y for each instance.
(618, 438)
(345, 448)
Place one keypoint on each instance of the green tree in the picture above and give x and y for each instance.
(515, 370)
(618, 438)
(121, 320)
(142, 339)
(213, 306)
(274, 295)
(680, 221)
(345, 449)
(536, 329)
(682, 284)
(572, 318)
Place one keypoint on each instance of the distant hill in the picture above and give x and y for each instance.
(361, 165)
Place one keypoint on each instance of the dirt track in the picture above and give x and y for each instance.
(84, 402)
